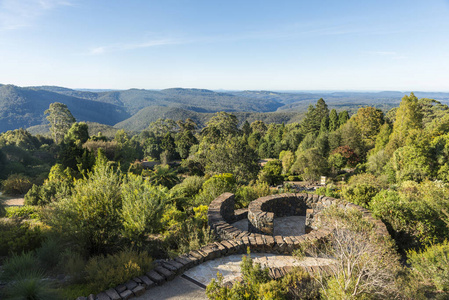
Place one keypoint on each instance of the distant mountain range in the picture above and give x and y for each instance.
(135, 109)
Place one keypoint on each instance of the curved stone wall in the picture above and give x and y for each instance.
(266, 209)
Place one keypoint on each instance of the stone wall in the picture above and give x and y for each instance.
(263, 211)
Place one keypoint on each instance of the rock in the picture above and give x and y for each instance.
(126, 295)
(103, 296)
(113, 294)
(139, 290)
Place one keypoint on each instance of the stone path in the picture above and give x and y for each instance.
(177, 289)
(229, 267)
(286, 226)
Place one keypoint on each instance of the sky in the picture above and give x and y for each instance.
(232, 45)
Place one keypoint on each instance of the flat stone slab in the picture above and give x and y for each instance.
(229, 266)
(177, 289)
(293, 225)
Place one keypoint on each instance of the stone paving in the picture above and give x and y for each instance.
(229, 266)
(177, 289)
(288, 226)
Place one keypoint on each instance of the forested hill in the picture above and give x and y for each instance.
(351, 101)
(134, 109)
(25, 107)
(199, 100)
(147, 115)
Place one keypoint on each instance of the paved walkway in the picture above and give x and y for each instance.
(177, 289)
(286, 226)
(183, 287)
(191, 284)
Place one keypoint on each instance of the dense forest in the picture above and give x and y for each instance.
(96, 215)
(135, 109)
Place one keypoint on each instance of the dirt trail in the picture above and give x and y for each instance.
(14, 202)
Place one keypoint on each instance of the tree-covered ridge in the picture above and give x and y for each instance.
(134, 109)
(25, 107)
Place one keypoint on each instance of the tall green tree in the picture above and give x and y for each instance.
(343, 117)
(369, 121)
(220, 126)
(408, 117)
(314, 117)
(61, 119)
(333, 120)
(79, 133)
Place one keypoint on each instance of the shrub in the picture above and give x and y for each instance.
(271, 172)
(190, 186)
(105, 272)
(20, 266)
(300, 285)
(16, 184)
(245, 194)
(73, 264)
(416, 214)
(49, 253)
(183, 193)
(16, 237)
(186, 232)
(26, 212)
(361, 189)
(253, 276)
(328, 191)
(142, 207)
(33, 286)
(214, 187)
(367, 264)
(163, 175)
(91, 216)
(432, 265)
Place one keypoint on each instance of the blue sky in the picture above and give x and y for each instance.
(255, 45)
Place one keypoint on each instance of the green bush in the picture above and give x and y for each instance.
(253, 276)
(25, 212)
(49, 253)
(245, 194)
(16, 237)
(20, 266)
(186, 231)
(300, 285)
(432, 265)
(33, 286)
(183, 193)
(16, 184)
(214, 187)
(416, 213)
(91, 215)
(190, 186)
(256, 284)
(73, 264)
(361, 189)
(328, 191)
(142, 207)
(104, 272)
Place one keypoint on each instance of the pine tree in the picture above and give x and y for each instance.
(333, 120)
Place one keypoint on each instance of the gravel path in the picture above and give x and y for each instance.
(14, 202)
